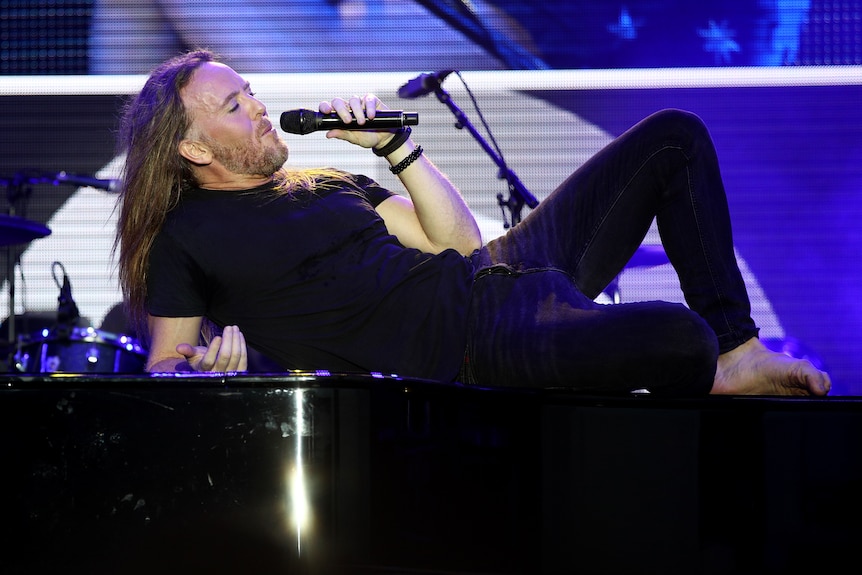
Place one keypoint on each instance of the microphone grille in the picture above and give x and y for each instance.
(298, 122)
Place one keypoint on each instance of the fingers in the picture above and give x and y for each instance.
(359, 108)
(231, 353)
(238, 356)
(187, 350)
(227, 352)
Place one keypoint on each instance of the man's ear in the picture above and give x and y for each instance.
(196, 152)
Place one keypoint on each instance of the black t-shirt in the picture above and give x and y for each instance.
(314, 281)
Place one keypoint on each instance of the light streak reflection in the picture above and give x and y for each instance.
(297, 494)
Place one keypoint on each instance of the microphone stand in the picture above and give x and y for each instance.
(518, 193)
(18, 189)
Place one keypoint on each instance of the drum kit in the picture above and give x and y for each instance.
(66, 347)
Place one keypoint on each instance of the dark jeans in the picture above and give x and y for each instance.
(533, 321)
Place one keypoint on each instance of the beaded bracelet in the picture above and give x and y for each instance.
(401, 136)
(402, 165)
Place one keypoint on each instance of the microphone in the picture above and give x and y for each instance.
(422, 84)
(67, 310)
(307, 121)
(109, 185)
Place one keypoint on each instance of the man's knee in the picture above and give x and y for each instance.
(682, 123)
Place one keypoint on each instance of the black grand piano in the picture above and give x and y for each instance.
(331, 473)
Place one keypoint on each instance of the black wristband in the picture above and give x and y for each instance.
(396, 142)
(402, 165)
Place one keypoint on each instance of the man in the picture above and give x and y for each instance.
(320, 269)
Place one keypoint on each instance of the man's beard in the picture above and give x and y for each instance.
(255, 159)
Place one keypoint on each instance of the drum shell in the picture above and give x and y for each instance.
(84, 350)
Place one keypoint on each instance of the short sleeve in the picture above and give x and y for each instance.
(175, 283)
(374, 192)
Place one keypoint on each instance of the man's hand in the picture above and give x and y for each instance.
(227, 352)
(358, 109)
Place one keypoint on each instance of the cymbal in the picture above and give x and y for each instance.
(18, 230)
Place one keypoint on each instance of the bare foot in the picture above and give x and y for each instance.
(752, 369)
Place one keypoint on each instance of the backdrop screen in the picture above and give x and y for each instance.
(276, 36)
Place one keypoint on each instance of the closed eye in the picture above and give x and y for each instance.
(235, 106)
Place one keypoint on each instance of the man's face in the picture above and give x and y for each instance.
(231, 122)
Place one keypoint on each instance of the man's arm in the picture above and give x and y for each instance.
(436, 217)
